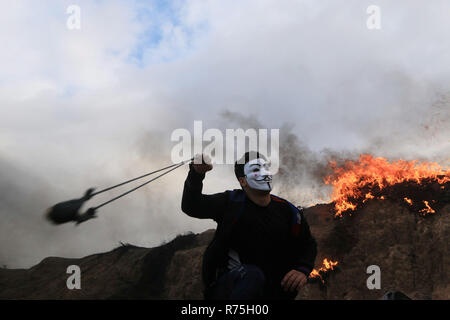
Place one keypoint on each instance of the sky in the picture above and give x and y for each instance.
(93, 106)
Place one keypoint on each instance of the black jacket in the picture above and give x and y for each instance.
(222, 210)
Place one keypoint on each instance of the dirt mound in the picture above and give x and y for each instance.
(411, 251)
(127, 272)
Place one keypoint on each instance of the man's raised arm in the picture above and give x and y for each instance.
(196, 204)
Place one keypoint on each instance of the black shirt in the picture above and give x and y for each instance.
(262, 237)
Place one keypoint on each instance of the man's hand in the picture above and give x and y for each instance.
(202, 163)
(293, 281)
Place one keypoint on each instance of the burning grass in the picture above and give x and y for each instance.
(423, 187)
(322, 273)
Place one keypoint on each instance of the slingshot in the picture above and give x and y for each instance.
(68, 211)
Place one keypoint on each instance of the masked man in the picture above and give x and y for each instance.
(262, 247)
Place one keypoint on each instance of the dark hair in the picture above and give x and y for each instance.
(248, 156)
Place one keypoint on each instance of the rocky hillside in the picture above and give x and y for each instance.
(412, 252)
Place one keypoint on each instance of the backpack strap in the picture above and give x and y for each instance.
(296, 215)
(237, 197)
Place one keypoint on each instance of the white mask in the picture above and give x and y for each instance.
(258, 175)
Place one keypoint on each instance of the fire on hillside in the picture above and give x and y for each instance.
(422, 186)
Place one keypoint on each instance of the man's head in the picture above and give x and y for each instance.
(252, 171)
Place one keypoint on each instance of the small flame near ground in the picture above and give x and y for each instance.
(327, 266)
(368, 178)
(427, 209)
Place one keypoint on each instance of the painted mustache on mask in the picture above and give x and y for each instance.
(265, 179)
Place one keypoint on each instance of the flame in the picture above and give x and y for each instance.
(427, 208)
(368, 196)
(409, 201)
(327, 266)
(353, 182)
